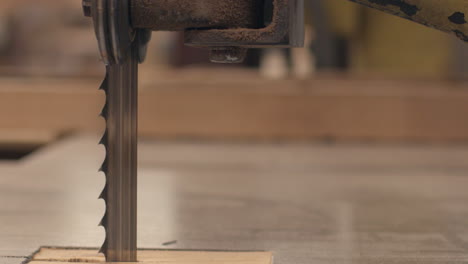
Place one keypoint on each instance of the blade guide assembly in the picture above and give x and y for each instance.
(121, 49)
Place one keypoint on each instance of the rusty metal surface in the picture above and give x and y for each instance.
(286, 29)
(169, 15)
(225, 23)
(445, 15)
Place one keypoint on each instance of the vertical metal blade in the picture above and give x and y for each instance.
(120, 164)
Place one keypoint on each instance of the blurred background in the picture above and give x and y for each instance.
(350, 150)
(364, 76)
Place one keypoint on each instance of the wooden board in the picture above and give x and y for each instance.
(238, 105)
(57, 255)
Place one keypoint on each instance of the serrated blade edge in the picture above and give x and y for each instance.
(119, 165)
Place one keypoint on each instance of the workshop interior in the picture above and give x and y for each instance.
(233, 131)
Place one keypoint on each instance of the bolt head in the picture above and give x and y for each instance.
(228, 54)
(87, 8)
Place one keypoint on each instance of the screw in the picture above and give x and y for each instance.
(228, 54)
(87, 8)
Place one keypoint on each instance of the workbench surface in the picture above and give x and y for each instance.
(307, 203)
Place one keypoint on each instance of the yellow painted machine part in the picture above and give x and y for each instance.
(445, 15)
(385, 43)
(343, 16)
(403, 48)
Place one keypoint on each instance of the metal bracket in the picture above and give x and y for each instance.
(226, 27)
(285, 30)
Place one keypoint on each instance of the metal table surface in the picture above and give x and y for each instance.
(307, 203)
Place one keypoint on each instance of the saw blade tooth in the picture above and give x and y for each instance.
(104, 112)
(105, 83)
(105, 87)
(103, 194)
(103, 221)
(103, 140)
(103, 248)
(104, 167)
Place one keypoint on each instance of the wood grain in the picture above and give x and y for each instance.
(240, 106)
(306, 203)
(52, 256)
